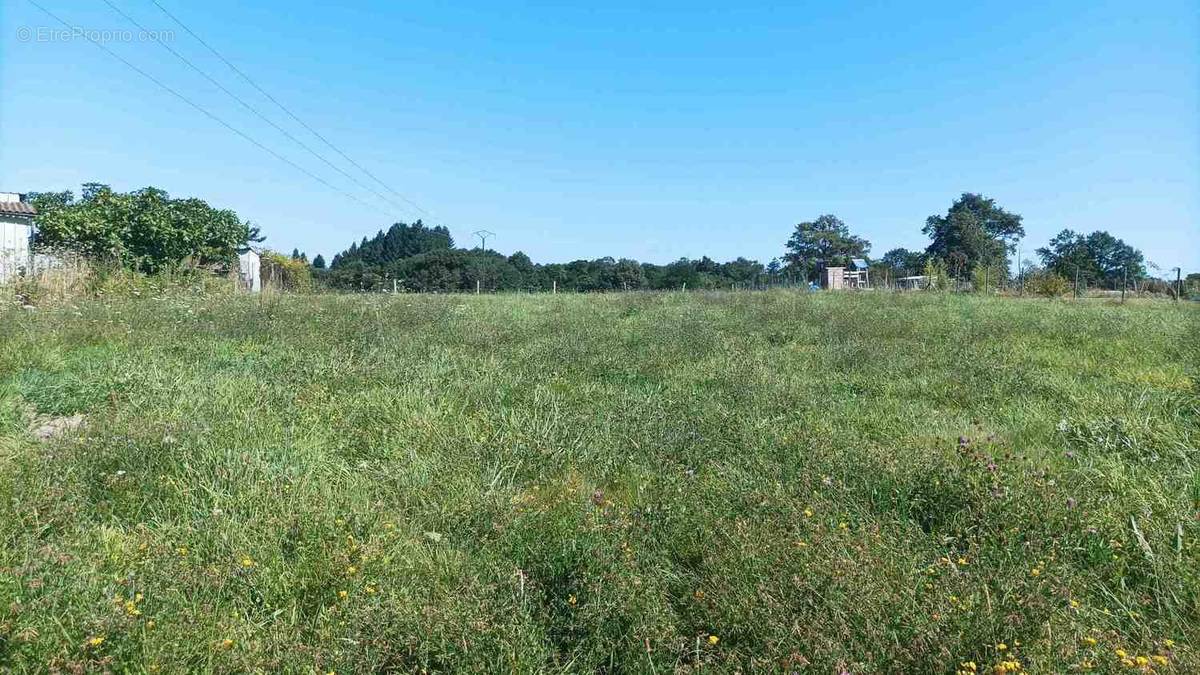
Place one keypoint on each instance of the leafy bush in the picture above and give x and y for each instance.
(1047, 284)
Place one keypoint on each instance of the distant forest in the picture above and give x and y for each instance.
(974, 240)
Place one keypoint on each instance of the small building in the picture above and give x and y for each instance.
(250, 271)
(835, 278)
(16, 231)
(857, 275)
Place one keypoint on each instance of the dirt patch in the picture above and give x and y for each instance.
(56, 427)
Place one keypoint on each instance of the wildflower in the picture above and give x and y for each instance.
(1074, 604)
(351, 571)
(1001, 647)
(843, 525)
(182, 550)
(371, 590)
(1120, 653)
(1160, 659)
(226, 644)
(572, 601)
(713, 639)
(808, 513)
(1035, 572)
(150, 624)
(96, 641)
(1089, 641)
(962, 561)
(247, 562)
(1169, 643)
(342, 595)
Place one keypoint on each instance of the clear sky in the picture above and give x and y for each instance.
(651, 130)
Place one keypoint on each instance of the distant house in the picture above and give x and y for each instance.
(250, 271)
(16, 231)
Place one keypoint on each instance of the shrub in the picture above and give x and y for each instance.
(1048, 284)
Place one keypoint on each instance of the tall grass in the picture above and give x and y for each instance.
(622, 483)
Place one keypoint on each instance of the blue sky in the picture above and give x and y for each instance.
(633, 129)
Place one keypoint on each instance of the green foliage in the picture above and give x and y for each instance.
(868, 483)
(1047, 284)
(318, 262)
(935, 273)
(400, 241)
(973, 232)
(826, 241)
(903, 262)
(144, 229)
(1099, 258)
(286, 273)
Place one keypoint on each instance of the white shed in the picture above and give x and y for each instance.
(249, 271)
(16, 230)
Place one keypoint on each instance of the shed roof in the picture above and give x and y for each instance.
(24, 209)
(858, 263)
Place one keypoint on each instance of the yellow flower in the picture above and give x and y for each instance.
(150, 624)
(226, 644)
(1160, 659)
(1074, 604)
(370, 590)
(1120, 653)
(342, 595)
(96, 641)
(844, 525)
(1169, 643)
(1001, 647)
(1142, 661)
(713, 639)
(247, 562)
(1089, 641)
(351, 571)
(572, 600)
(962, 561)
(182, 550)
(808, 513)
(1034, 572)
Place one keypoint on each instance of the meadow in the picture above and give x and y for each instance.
(623, 483)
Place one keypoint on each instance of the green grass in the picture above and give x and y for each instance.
(600, 484)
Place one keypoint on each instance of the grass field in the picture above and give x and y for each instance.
(620, 483)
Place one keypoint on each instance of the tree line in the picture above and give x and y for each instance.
(973, 241)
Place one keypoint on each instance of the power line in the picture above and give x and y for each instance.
(285, 109)
(153, 35)
(205, 112)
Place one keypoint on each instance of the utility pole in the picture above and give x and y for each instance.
(1178, 283)
(483, 237)
(1124, 283)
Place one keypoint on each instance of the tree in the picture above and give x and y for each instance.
(144, 229)
(973, 232)
(902, 262)
(825, 241)
(1099, 258)
(318, 262)
(400, 241)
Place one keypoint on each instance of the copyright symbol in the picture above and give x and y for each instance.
(24, 33)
